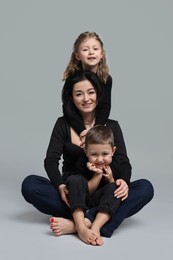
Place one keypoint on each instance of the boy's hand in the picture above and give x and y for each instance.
(94, 169)
(107, 173)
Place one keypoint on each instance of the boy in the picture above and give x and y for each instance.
(93, 183)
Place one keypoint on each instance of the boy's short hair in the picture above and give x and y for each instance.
(99, 134)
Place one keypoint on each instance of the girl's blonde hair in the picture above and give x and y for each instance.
(75, 65)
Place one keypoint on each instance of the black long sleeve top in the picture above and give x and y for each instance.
(60, 147)
(103, 109)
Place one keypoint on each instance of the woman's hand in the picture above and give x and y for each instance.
(64, 193)
(107, 173)
(122, 190)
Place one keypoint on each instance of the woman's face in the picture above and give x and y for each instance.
(84, 97)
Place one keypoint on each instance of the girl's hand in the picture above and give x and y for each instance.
(82, 137)
(107, 173)
(122, 190)
(64, 193)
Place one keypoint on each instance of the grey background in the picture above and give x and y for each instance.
(36, 39)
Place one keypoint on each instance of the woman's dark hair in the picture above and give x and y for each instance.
(74, 78)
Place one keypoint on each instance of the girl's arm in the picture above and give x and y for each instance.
(73, 120)
(104, 107)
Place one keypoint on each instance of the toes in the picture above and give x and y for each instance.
(93, 243)
(51, 220)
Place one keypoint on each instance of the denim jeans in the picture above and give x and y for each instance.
(40, 192)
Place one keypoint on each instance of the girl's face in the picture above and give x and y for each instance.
(90, 53)
(100, 155)
(84, 97)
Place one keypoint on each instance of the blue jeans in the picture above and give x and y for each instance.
(40, 192)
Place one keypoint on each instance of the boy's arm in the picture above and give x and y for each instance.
(89, 172)
(97, 175)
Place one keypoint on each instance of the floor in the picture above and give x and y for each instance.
(25, 233)
(36, 41)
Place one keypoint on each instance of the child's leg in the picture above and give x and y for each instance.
(104, 199)
(85, 234)
(140, 194)
(100, 220)
(77, 192)
(77, 187)
(106, 204)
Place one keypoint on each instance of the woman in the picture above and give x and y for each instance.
(51, 197)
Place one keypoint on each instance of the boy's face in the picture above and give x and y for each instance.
(100, 155)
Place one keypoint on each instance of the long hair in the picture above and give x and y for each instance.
(67, 89)
(75, 65)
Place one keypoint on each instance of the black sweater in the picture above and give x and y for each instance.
(60, 147)
(103, 109)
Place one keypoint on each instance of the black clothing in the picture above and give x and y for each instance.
(40, 192)
(103, 109)
(60, 144)
(102, 199)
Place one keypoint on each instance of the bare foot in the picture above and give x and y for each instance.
(62, 226)
(98, 241)
(87, 235)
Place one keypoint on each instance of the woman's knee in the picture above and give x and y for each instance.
(28, 186)
(147, 189)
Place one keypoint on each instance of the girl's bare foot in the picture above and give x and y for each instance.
(62, 226)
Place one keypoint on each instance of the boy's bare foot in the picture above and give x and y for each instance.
(87, 235)
(62, 226)
(98, 241)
